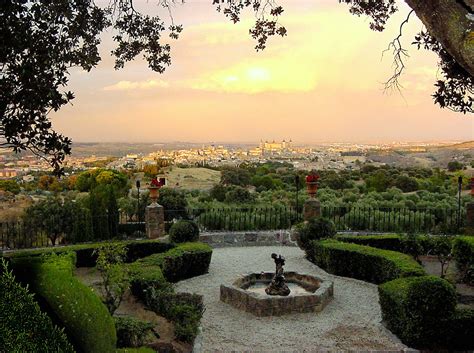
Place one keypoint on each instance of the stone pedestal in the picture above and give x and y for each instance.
(470, 218)
(311, 209)
(155, 221)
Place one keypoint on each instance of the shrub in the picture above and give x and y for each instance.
(460, 330)
(184, 309)
(314, 229)
(143, 277)
(136, 350)
(77, 308)
(184, 261)
(362, 262)
(23, 327)
(388, 242)
(132, 332)
(411, 244)
(186, 321)
(86, 255)
(184, 231)
(418, 310)
(463, 251)
(442, 248)
(115, 277)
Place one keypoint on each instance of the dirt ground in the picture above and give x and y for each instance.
(130, 306)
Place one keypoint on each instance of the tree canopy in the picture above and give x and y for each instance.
(42, 40)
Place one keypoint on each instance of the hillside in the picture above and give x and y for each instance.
(192, 178)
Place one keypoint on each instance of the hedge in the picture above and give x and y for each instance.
(461, 330)
(362, 262)
(387, 242)
(463, 251)
(184, 261)
(419, 310)
(23, 327)
(75, 306)
(135, 350)
(85, 256)
(145, 276)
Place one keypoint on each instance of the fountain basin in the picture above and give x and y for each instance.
(308, 294)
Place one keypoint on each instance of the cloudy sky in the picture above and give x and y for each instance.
(323, 82)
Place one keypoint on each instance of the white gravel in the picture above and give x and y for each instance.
(351, 321)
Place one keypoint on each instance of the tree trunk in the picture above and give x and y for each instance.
(451, 22)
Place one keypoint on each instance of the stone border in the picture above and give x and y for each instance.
(321, 294)
(249, 238)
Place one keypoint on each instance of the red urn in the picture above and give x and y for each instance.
(154, 186)
(312, 184)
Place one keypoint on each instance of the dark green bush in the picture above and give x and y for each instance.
(86, 256)
(461, 330)
(184, 261)
(23, 327)
(387, 242)
(136, 350)
(143, 277)
(184, 309)
(463, 252)
(314, 229)
(411, 244)
(184, 231)
(419, 310)
(362, 262)
(132, 332)
(186, 321)
(77, 308)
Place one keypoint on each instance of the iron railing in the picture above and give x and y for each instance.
(54, 231)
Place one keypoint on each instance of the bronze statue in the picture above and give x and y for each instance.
(277, 285)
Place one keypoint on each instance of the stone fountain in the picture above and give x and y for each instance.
(279, 293)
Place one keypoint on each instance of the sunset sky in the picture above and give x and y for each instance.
(321, 83)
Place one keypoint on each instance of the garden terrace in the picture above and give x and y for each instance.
(362, 262)
(80, 311)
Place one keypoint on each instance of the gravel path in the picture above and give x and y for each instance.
(350, 321)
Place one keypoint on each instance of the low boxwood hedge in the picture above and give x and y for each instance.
(86, 320)
(419, 310)
(136, 350)
(146, 276)
(387, 242)
(362, 262)
(463, 251)
(461, 330)
(23, 327)
(87, 257)
(184, 261)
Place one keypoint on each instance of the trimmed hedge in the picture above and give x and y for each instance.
(184, 309)
(132, 332)
(419, 310)
(85, 256)
(143, 277)
(461, 330)
(184, 261)
(135, 350)
(387, 242)
(23, 327)
(463, 251)
(184, 231)
(362, 262)
(75, 306)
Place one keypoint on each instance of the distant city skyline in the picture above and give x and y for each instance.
(323, 82)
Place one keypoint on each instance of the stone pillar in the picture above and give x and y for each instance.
(311, 209)
(155, 221)
(470, 218)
